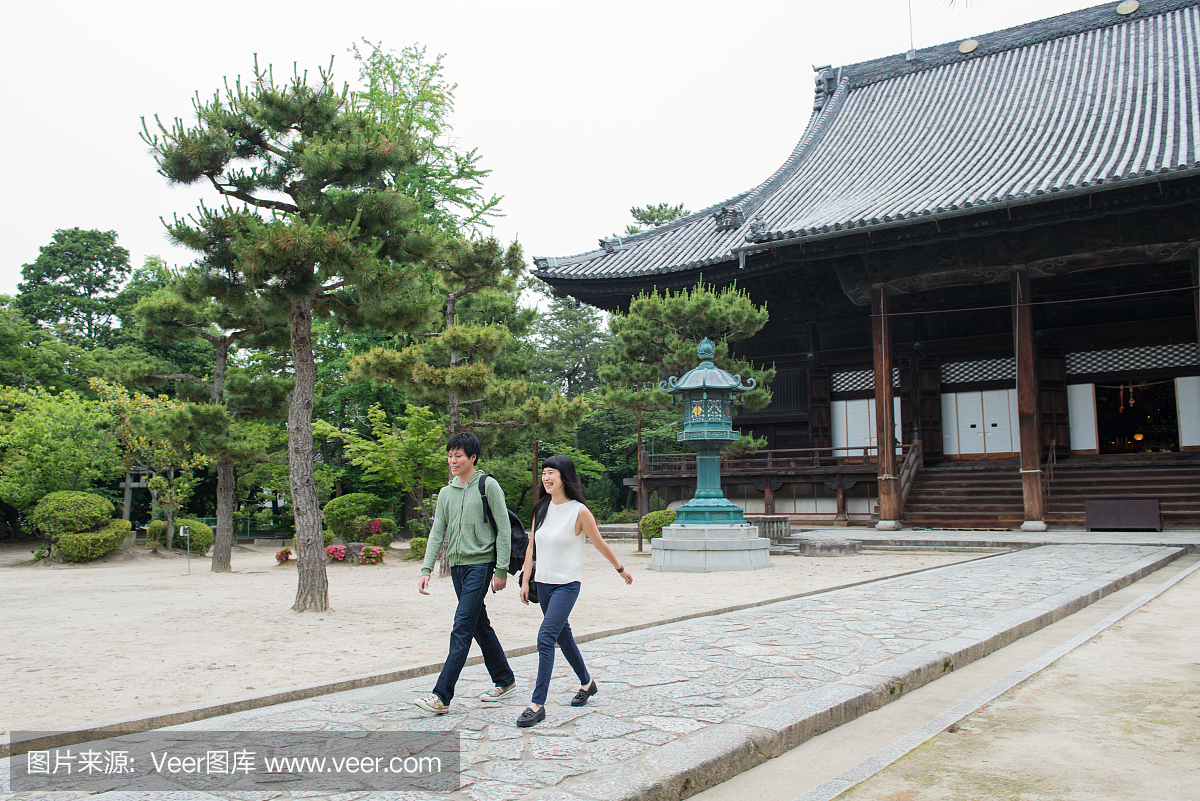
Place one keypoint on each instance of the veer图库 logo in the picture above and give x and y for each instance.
(163, 760)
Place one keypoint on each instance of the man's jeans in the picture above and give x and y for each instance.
(471, 585)
(557, 601)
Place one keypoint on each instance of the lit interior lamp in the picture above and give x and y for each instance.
(1139, 437)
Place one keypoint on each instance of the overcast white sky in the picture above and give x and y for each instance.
(580, 110)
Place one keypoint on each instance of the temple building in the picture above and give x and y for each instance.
(988, 249)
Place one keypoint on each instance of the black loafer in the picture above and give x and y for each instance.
(529, 717)
(582, 696)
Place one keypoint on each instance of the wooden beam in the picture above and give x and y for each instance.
(1042, 268)
(889, 496)
(1027, 402)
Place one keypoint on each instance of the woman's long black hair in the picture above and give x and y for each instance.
(571, 485)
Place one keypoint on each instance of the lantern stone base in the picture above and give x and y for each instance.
(706, 549)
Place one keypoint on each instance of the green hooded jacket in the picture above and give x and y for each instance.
(459, 521)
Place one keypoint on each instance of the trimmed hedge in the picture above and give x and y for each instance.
(341, 514)
(61, 513)
(84, 545)
(202, 535)
(652, 524)
(416, 547)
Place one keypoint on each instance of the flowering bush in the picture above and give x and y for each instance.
(336, 552)
(374, 526)
(282, 555)
(371, 555)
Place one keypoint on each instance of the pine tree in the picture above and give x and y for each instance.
(654, 216)
(657, 338)
(313, 226)
(455, 365)
(182, 313)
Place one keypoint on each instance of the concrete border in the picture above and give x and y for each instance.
(193, 713)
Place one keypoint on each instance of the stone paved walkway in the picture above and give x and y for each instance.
(686, 705)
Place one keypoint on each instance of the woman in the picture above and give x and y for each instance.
(559, 522)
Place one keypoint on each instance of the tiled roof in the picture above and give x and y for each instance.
(1081, 102)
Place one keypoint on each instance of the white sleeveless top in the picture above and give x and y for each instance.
(559, 548)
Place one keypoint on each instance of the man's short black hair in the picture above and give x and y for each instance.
(467, 441)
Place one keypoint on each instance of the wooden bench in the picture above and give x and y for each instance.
(1122, 513)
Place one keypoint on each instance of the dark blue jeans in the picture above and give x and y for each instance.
(557, 601)
(471, 585)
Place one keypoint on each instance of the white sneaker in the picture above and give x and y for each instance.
(496, 693)
(431, 703)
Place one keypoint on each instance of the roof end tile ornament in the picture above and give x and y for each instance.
(758, 228)
(612, 245)
(729, 218)
(826, 81)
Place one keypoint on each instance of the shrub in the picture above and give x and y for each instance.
(328, 538)
(342, 513)
(371, 555)
(65, 512)
(84, 545)
(336, 552)
(416, 547)
(202, 536)
(282, 555)
(623, 516)
(652, 524)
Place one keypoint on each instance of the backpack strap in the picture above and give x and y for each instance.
(487, 510)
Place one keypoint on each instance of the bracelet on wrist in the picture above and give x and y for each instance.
(620, 568)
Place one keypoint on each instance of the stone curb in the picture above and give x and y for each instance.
(193, 713)
(695, 763)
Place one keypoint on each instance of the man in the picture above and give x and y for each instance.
(477, 557)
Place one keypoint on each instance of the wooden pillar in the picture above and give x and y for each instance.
(885, 424)
(768, 497)
(1027, 401)
(1196, 283)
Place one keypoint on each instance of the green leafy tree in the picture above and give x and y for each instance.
(406, 453)
(314, 226)
(72, 286)
(32, 357)
(51, 443)
(406, 91)
(149, 436)
(652, 216)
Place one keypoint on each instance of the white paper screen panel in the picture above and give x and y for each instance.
(1187, 404)
(853, 422)
(1081, 414)
(949, 424)
(980, 422)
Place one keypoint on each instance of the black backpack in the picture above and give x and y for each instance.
(520, 540)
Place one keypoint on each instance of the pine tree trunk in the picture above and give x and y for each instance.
(222, 552)
(312, 590)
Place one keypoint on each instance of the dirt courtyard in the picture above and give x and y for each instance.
(136, 634)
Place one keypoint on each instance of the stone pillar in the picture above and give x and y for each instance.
(1027, 399)
(889, 485)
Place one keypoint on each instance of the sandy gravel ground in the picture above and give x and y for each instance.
(136, 634)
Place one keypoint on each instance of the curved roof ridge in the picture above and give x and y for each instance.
(665, 228)
(865, 73)
(817, 126)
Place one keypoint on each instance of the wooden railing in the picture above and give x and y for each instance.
(769, 461)
(914, 460)
(1048, 473)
